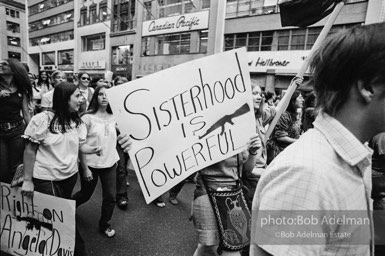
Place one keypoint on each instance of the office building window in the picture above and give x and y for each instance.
(53, 38)
(122, 54)
(48, 58)
(45, 5)
(124, 15)
(94, 42)
(170, 7)
(13, 13)
(83, 16)
(254, 41)
(65, 57)
(147, 11)
(298, 39)
(93, 15)
(51, 21)
(14, 27)
(103, 14)
(14, 55)
(14, 41)
(203, 41)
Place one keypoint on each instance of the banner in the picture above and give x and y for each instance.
(185, 118)
(44, 225)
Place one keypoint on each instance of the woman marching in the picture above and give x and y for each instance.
(49, 136)
(101, 130)
(15, 93)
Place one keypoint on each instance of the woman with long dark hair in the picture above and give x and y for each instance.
(101, 130)
(15, 94)
(49, 136)
(287, 129)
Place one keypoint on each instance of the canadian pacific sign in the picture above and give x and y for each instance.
(176, 24)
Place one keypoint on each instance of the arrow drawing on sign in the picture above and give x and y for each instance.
(227, 119)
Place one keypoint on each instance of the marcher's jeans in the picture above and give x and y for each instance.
(108, 180)
(11, 152)
(121, 174)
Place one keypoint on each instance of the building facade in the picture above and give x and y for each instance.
(136, 38)
(51, 35)
(13, 30)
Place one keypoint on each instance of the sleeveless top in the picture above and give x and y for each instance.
(10, 107)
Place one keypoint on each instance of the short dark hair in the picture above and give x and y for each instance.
(63, 117)
(269, 95)
(355, 54)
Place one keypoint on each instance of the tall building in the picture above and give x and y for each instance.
(135, 38)
(51, 35)
(13, 30)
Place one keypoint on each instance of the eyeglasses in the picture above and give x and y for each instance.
(85, 78)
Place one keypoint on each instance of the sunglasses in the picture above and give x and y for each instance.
(85, 78)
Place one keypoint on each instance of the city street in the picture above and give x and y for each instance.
(142, 229)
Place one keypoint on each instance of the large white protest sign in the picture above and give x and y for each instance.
(185, 118)
(44, 225)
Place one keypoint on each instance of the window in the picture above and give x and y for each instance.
(173, 44)
(14, 55)
(51, 21)
(253, 41)
(66, 57)
(83, 16)
(45, 5)
(122, 54)
(298, 37)
(283, 40)
(205, 4)
(53, 38)
(267, 40)
(170, 8)
(203, 36)
(103, 12)
(94, 42)
(12, 13)
(124, 16)
(14, 27)
(93, 16)
(240, 40)
(312, 37)
(48, 58)
(14, 41)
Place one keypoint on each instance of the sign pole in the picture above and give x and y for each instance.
(293, 85)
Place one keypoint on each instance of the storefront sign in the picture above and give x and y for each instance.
(146, 69)
(66, 67)
(99, 64)
(120, 68)
(281, 61)
(176, 24)
(185, 118)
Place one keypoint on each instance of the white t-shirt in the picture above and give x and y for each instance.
(47, 99)
(101, 132)
(57, 154)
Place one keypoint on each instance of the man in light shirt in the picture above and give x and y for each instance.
(327, 172)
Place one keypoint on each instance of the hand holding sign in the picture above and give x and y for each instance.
(27, 188)
(125, 142)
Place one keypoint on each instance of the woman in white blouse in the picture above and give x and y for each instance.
(101, 130)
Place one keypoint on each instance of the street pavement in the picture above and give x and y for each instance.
(141, 230)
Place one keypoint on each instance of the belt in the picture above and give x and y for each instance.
(10, 125)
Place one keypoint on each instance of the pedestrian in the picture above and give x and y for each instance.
(96, 81)
(49, 136)
(287, 129)
(377, 144)
(328, 170)
(15, 94)
(101, 131)
(220, 176)
(269, 109)
(47, 98)
(121, 170)
(85, 89)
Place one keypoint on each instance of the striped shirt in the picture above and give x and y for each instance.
(328, 169)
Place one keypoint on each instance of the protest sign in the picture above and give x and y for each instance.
(185, 118)
(44, 225)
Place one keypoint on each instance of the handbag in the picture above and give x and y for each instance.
(233, 216)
